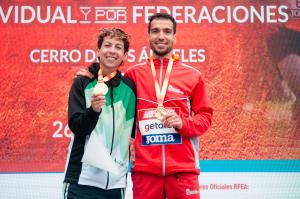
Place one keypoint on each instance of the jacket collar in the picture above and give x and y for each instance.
(158, 62)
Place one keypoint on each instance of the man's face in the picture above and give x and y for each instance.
(111, 53)
(161, 37)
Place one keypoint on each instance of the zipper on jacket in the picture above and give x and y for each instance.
(160, 72)
(162, 146)
(113, 135)
(163, 160)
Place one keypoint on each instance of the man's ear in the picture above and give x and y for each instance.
(174, 38)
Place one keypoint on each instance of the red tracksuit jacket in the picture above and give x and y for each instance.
(160, 150)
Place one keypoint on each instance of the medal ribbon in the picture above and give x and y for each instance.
(102, 79)
(161, 93)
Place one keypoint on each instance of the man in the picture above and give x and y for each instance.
(103, 106)
(173, 109)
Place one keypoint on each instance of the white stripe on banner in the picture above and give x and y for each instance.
(214, 185)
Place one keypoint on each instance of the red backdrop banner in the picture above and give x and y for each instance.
(247, 51)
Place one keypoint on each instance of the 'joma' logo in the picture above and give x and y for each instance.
(159, 139)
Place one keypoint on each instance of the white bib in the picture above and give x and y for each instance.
(153, 131)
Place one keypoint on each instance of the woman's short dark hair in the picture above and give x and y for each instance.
(114, 33)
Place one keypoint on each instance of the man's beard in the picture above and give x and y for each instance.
(161, 53)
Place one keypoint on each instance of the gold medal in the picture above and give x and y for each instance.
(100, 88)
(160, 113)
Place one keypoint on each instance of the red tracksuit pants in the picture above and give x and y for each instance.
(176, 186)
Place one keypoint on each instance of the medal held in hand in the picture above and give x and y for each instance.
(161, 112)
(101, 87)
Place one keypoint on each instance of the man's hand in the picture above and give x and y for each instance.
(97, 101)
(172, 120)
(84, 72)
